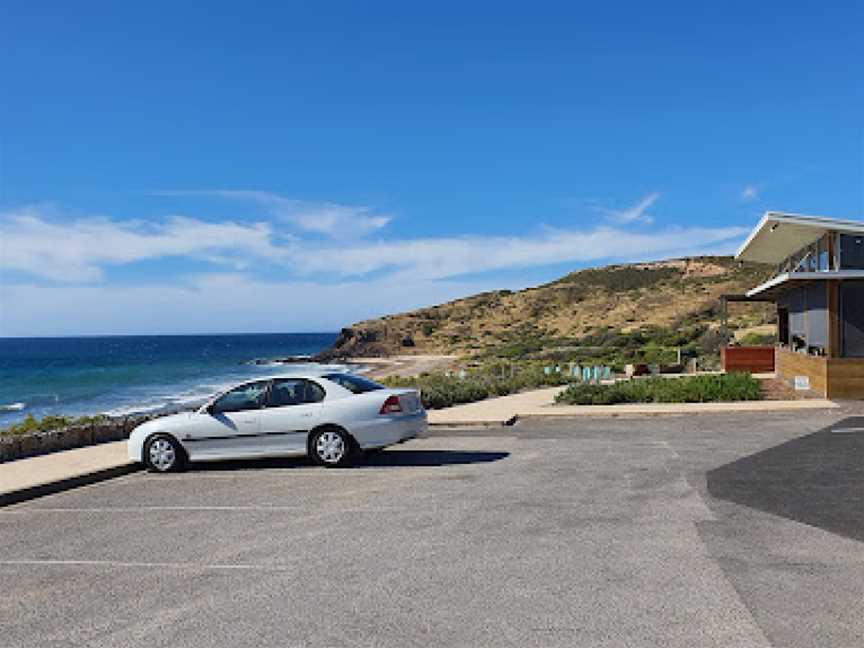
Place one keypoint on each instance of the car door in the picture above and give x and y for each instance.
(292, 408)
(231, 425)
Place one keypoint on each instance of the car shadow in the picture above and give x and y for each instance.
(384, 459)
(816, 479)
(418, 458)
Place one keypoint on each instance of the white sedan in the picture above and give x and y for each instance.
(330, 417)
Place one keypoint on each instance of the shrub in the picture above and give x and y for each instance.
(497, 379)
(31, 425)
(757, 339)
(690, 389)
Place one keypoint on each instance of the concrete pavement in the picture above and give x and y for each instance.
(541, 403)
(35, 476)
(583, 532)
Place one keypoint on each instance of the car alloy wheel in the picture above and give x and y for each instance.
(163, 454)
(332, 447)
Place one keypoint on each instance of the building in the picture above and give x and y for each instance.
(819, 293)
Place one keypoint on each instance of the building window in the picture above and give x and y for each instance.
(851, 252)
(824, 259)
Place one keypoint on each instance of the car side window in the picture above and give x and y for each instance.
(245, 397)
(294, 391)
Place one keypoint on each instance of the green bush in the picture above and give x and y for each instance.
(497, 379)
(31, 425)
(690, 389)
(757, 339)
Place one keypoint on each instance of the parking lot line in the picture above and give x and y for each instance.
(848, 430)
(150, 509)
(133, 509)
(146, 565)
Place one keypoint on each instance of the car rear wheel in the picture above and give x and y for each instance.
(162, 453)
(332, 447)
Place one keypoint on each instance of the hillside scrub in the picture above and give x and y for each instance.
(690, 389)
(614, 347)
(647, 311)
(438, 390)
(31, 425)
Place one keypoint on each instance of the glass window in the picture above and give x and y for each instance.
(294, 391)
(821, 255)
(244, 397)
(354, 384)
(852, 252)
(824, 261)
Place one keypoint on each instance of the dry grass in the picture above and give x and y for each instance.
(623, 298)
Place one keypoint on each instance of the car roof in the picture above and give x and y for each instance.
(299, 374)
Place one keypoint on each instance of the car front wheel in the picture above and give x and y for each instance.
(162, 453)
(332, 447)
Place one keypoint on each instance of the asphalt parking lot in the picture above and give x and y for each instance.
(730, 531)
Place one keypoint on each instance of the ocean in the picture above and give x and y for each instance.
(120, 375)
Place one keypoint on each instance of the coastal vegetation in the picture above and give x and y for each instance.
(757, 339)
(439, 390)
(32, 425)
(688, 389)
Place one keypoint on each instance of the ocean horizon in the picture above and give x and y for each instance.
(125, 374)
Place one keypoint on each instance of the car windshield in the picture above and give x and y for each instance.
(244, 397)
(355, 384)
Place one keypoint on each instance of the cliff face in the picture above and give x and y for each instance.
(620, 298)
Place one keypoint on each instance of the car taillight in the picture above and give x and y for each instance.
(391, 405)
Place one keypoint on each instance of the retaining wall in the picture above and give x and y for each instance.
(19, 446)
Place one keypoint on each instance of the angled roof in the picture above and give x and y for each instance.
(779, 235)
(769, 289)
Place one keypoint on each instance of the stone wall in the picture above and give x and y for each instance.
(19, 446)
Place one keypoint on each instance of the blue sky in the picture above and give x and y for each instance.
(181, 168)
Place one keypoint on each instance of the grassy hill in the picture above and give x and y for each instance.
(618, 313)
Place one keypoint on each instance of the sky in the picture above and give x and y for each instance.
(175, 167)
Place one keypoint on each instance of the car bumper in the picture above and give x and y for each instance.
(135, 445)
(387, 430)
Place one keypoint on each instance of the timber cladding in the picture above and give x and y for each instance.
(791, 364)
(832, 377)
(846, 377)
(752, 359)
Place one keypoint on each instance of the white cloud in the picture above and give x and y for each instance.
(79, 250)
(448, 257)
(749, 193)
(635, 213)
(216, 303)
(331, 219)
(322, 283)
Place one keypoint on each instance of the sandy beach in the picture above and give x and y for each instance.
(404, 365)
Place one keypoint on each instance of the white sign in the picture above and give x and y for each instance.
(802, 383)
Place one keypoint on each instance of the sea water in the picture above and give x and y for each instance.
(128, 374)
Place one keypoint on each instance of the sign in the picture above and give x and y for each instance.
(802, 383)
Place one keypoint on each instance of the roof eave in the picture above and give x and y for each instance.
(819, 224)
(790, 277)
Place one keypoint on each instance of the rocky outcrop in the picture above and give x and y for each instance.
(355, 342)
